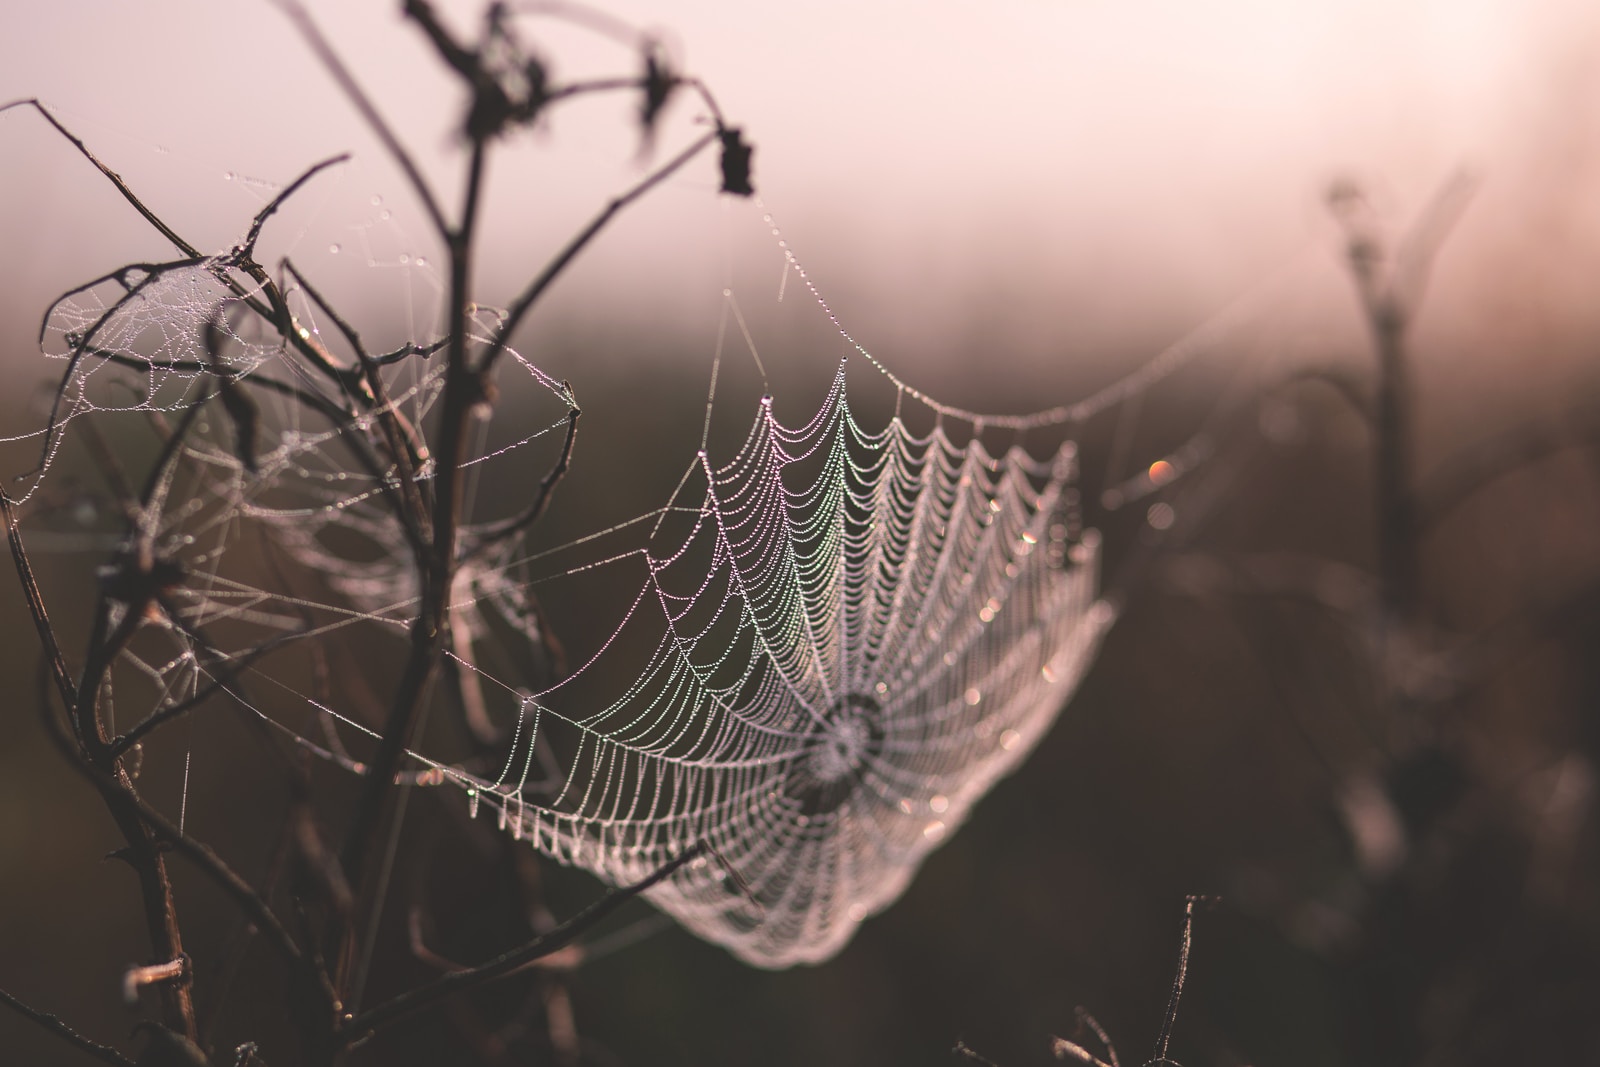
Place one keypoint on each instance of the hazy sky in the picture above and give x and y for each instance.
(1054, 172)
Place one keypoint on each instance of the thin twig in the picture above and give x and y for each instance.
(404, 446)
(1164, 1037)
(104, 1053)
(247, 248)
(967, 1053)
(59, 672)
(227, 676)
(116, 179)
(369, 112)
(1063, 1049)
(136, 978)
(553, 269)
(543, 945)
(115, 788)
(499, 531)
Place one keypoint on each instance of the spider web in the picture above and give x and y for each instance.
(828, 646)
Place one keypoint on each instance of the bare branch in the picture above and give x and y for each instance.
(103, 1053)
(116, 179)
(971, 1055)
(247, 249)
(541, 946)
(363, 104)
(521, 306)
(496, 532)
(1164, 1037)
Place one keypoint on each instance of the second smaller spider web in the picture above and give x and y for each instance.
(132, 341)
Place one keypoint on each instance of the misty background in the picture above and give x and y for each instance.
(1009, 204)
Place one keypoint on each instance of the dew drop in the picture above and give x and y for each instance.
(1009, 739)
(905, 806)
(1161, 516)
(376, 199)
(857, 913)
(938, 804)
(974, 695)
(334, 249)
(934, 831)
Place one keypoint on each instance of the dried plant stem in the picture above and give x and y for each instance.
(103, 1053)
(508, 962)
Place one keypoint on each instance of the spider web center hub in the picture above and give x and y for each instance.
(835, 754)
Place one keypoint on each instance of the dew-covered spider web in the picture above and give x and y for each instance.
(823, 647)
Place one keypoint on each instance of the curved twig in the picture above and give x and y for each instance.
(103, 1053)
(502, 965)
